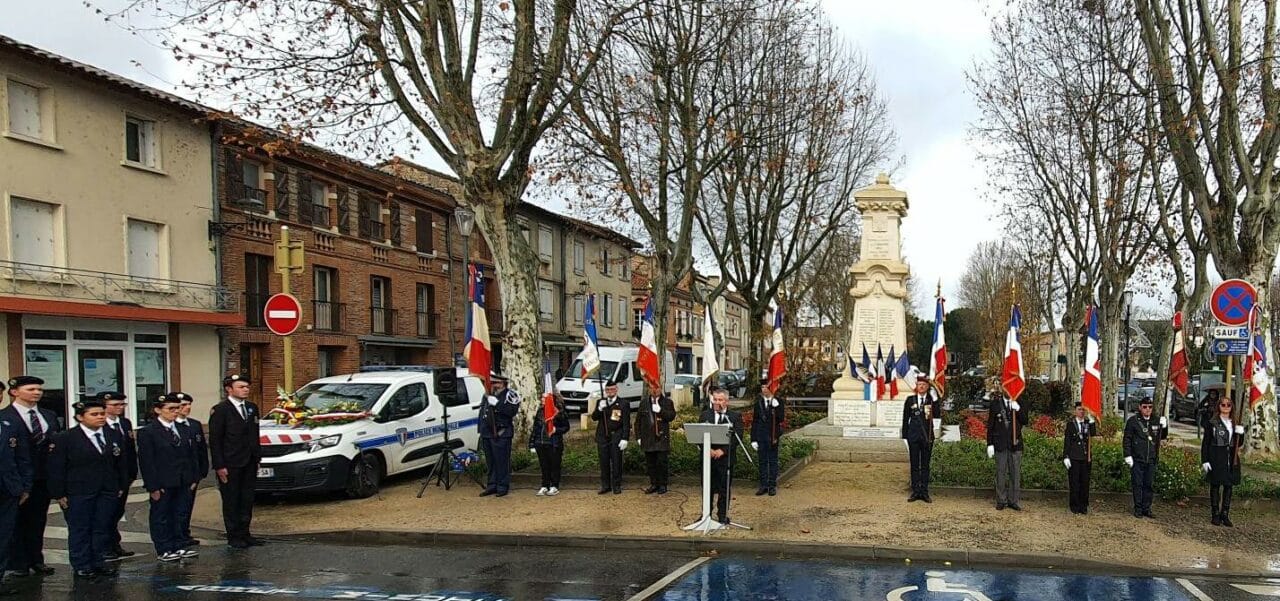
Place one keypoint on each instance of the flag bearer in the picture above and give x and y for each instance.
(121, 429)
(766, 438)
(613, 427)
(193, 429)
(653, 430)
(546, 440)
(496, 431)
(1004, 442)
(1077, 455)
(1142, 436)
(1219, 452)
(917, 430)
(87, 477)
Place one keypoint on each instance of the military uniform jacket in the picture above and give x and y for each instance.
(129, 442)
(167, 462)
(1218, 449)
(709, 417)
(653, 430)
(37, 450)
(917, 417)
(1075, 440)
(195, 430)
(15, 462)
(76, 467)
(1142, 438)
(1000, 427)
(613, 423)
(766, 427)
(233, 440)
(498, 421)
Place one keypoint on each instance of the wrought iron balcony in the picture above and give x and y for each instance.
(427, 324)
(328, 316)
(382, 321)
(47, 281)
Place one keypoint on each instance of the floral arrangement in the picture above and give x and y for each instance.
(289, 411)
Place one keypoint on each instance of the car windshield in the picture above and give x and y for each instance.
(607, 368)
(687, 379)
(323, 396)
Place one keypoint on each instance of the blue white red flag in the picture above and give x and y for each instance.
(590, 340)
(1012, 376)
(777, 357)
(647, 357)
(938, 357)
(476, 349)
(1091, 387)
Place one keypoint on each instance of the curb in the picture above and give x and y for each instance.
(534, 479)
(974, 558)
(1042, 494)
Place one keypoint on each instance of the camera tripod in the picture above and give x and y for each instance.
(442, 471)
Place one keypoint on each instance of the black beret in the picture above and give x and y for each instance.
(110, 395)
(610, 383)
(497, 377)
(233, 378)
(24, 381)
(83, 406)
(174, 397)
(1145, 401)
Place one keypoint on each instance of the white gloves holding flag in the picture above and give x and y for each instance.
(493, 401)
(1240, 430)
(1015, 405)
(774, 402)
(991, 451)
(533, 450)
(1128, 461)
(622, 445)
(655, 407)
(1067, 462)
(1206, 467)
(603, 404)
(755, 446)
(1164, 422)
(906, 443)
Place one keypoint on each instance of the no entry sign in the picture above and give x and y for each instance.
(282, 314)
(1231, 302)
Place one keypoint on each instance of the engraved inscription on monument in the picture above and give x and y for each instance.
(851, 413)
(889, 413)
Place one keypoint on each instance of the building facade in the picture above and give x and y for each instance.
(108, 277)
(685, 318)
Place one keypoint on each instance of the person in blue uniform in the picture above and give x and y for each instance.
(1142, 436)
(766, 438)
(1077, 456)
(26, 549)
(193, 429)
(87, 477)
(121, 429)
(234, 453)
(497, 427)
(167, 456)
(613, 427)
(1220, 460)
(918, 413)
(15, 484)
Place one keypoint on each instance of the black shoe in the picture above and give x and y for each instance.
(1015, 507)
(913, 498)
(1147, 514)
(723, 519)
(111, 556)
(1137, 513)
(1217, 519)
(123, 553)
(86, 574)
(603, 491)
(760, 492)
(109, 572)
(1226, 521)
(190, 542)
(238, 544)
(650, 490)
(926, 498)
(255, 542)
(501, 493)
(42, 570)
(662, 490)
(1000, 506)
(773, 492)
(488, 491)
(617, 491)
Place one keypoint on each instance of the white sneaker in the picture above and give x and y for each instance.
(553, 491)
(170, 556)
(188, 553)
(542, 492)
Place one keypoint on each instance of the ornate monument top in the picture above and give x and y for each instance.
(881, 196)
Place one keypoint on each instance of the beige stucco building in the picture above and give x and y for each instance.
(108, 275)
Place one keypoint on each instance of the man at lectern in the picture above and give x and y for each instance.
(722, 456)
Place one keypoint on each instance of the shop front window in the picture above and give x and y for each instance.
(150, 369)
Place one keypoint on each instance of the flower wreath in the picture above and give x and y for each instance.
(291, 412)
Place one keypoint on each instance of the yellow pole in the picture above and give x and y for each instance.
(1228, 376)
(285, 271)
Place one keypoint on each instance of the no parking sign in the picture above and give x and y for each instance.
(1232, 301)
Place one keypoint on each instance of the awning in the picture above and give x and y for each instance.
(562, 344)
(397, 341)
(44, 306)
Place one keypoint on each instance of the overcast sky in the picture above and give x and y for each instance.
(919, 49)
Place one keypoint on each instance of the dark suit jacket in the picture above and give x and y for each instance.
(1142, 438)
(917, 425)
(766, 428)
(195, 430)
(38, 452)
(15, 463)
(233, 440)
(77, 468)
(166, 463)
(1075, 446)
(130, 445)
(1000, 426)
(653, 430)
(608, 429)
(735, 418)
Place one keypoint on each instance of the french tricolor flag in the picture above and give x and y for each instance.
(1091, 388)
(1012, 376)
(647, 357)
(777, 356)
(476, 349)
(938, 359)
(590, 340)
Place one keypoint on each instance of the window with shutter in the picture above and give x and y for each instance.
(396, 234)
(24, 110)
(235, 175)
(364, 219)
(306, 196)
(146, 249)
(33, 232)
(344, 209)
(424, 231)
(284, 200)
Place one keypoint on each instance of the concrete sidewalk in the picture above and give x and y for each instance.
(831, 508)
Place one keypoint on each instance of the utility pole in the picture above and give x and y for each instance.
(289, 260)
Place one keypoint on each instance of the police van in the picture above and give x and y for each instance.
(617, 363)
(405, 429)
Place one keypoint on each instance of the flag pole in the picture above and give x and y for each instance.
(1014, 285)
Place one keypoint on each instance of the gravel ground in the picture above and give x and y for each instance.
(842, 503)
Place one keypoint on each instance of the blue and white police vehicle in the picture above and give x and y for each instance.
(405, 431)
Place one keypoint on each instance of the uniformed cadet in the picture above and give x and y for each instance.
(1005, 421)
(546, 440)
(1220, 460)
(722, 456)
(1077, 455)
(15, 483)
(26, 549)
(193, 429)
(234, 454)
(613, 427)
(497, 427)
(1142, 436)
(121, 430)
(917, 431)
(766, 438)
(167, 455)
(653, 430)
(87, 477)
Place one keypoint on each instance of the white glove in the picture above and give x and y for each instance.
(622, 445)
(755, 446)
(1206, 467)
(1164, 422)
(773, 403)
(603, 404)
(1016, 406)
(1128, 461)
(1239, 429)
(991, 451)
(493, 401)
(1091, 418)
(655, 408)
(533, 450)
(906, 443)
(1067, 462)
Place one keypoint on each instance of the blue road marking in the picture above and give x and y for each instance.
(389, 439)
(732, 579)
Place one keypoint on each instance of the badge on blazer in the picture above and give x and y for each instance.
(115, 449)
(13, 442)
(615, 415)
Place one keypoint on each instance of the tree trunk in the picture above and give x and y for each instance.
(1111, 322)
(1262, 438)
(761, 345)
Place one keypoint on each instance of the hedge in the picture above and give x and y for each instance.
(965, 463)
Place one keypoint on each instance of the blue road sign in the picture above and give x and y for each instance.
(1221, 347)
(1231, 302)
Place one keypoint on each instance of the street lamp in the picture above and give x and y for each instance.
(1127, 307)
(465, 218)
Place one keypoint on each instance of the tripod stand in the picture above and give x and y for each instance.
(442, 471)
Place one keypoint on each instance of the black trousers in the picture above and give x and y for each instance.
(720, 488)
(26, 549)
(656, 465)
(550, 459)
(1142, 478)
(1220, 499)
(610, 465)
(165, 519)
(89, 528)
(1078, 484)
(237, 501)
(497, 458)
(921, 452)
(8, 520)
(767, 466)
(115, 521)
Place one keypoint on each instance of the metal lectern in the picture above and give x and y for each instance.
(707, 435)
